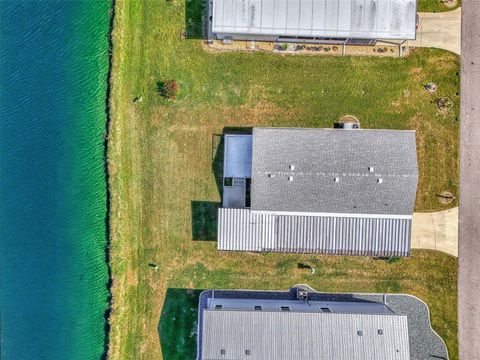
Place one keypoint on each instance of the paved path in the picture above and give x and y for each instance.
(439, 30)
(436, 231)
(469, 249)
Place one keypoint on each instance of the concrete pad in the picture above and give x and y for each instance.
(234, 196)
(439, 30)
(436, 231)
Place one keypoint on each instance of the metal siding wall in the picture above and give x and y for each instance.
(240, 229)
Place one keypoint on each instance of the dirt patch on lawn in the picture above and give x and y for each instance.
(417, 74)
(132, 279)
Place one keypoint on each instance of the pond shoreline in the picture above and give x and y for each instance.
(108, 310)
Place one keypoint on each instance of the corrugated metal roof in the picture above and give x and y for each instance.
(376, 19)
(334, 171)
(294, 335)
(246, 230)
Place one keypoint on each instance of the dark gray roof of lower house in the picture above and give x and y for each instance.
(276, 334)
(247, 230)
(334, 171)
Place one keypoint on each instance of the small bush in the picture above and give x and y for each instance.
(168, 89)
(393, 259)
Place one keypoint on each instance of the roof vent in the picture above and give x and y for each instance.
(379, 180)
(290, 178)
(336, 179)
(380, 332)
(271, 175)
(292, 167)
(360, 333)
(370, 169)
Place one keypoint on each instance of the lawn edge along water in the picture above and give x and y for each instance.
(108, 310)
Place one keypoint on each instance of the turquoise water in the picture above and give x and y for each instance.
(53, 77)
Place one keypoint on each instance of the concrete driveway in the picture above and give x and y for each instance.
(436, 231)
(439, 30)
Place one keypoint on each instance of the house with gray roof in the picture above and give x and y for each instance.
(332, 191)
(304, 324)
(322, 21)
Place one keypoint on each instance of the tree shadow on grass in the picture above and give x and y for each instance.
(177, 328)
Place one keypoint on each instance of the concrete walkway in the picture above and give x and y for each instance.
(436, 231)
(439, 30)
(468, 261)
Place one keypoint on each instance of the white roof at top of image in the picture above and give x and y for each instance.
(376, 19)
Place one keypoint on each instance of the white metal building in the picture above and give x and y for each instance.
(303, 324)
(337, 21)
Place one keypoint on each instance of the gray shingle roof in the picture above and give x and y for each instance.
(387, 19)
(334, 171)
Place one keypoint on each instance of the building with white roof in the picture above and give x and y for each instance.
(304, 324)
(337, 21)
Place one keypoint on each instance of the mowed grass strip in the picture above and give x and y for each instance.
(162, 160)
(438, 5)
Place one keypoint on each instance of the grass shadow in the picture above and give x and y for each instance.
(204, 220)
(177, 328)
(217, 161)
(196, 19)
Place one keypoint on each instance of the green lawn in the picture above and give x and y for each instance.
(161, 168)
(436, 6)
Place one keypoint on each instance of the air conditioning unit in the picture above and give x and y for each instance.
(302, 295)
(346, 125)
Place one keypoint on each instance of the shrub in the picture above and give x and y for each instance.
(168, 89)
(393, 259)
